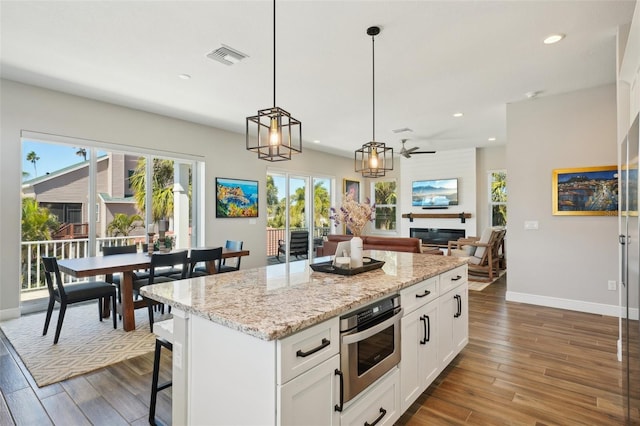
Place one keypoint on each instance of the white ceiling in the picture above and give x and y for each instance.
(433, 58)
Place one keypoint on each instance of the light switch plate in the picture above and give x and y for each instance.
(530, 225)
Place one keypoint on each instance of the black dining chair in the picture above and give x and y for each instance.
(162, 260)
(115, 279)
(204, 255)
(66, 294)
(234, 262)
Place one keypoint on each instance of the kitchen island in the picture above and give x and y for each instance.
(236, 337)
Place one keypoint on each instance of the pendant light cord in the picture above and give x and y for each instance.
(373, 90)
(274, 53)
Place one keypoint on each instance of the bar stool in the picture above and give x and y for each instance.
(164, 338)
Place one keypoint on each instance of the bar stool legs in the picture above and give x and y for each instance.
(155, 388)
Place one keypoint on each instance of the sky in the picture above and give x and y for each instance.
(52, 157)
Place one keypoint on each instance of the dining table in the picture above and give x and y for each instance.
(126, 264)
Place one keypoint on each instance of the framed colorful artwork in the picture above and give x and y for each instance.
(236, 198)
(351, 187)
(586, 191)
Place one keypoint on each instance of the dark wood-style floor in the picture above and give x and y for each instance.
(524, 365)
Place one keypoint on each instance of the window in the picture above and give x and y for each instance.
(498, 197)
(385, 199)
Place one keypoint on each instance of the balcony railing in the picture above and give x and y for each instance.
(32, 276)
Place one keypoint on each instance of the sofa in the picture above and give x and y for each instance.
(369, 242)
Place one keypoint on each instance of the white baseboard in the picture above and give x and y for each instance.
(6, 314)
(570, 304)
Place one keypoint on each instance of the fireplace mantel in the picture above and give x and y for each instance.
(462, 216)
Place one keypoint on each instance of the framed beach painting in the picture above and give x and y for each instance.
(586, 191)
(236, 198)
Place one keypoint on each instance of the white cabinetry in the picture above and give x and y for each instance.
(453, 332)
(379, 405)
(309, 399)
(237, 379)
(420, 363)
(435, 328)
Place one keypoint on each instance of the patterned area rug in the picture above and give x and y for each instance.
(479, 286)
(85, 344)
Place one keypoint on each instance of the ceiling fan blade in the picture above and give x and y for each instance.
(424, 152)
(405, 154)
(410, 150)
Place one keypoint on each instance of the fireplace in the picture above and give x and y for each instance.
(437, 236)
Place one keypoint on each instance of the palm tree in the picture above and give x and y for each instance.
(82, 152)
(123, 224)
(37, 222)
(32, 157)
(385, 194)
(162, 188)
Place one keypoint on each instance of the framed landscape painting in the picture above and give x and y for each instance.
(236, 198)
(587, 191)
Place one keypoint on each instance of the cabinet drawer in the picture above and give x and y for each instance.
(306, 349)
(453, 278)
(418, 295)
(380, 402)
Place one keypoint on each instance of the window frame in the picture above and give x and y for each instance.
(372, 198)
(490, 202)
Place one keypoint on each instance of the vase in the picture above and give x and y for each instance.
(356, 252)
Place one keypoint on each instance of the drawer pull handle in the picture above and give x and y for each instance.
(382, 413)
(456, 278)
(426, 293)
(338, 407)
(323, 345)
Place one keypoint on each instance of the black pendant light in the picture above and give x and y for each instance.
(374, 159)
(274, 134)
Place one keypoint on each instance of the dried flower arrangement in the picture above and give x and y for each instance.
(353, 214)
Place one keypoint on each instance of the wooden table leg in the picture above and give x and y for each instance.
(106, 303)
(126, 288)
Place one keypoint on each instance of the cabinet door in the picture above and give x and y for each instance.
(461, 322)
(420, 364)
(429, 366)
(448, 308)
(453, 333)
(309, 399)
(410, 383)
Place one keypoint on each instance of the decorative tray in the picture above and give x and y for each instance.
(369, 264)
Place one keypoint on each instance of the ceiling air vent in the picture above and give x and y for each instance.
(227, 55)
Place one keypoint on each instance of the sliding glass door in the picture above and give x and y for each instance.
(77, 198)
(296, 204)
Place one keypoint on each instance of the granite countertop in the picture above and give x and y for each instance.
(276, 301)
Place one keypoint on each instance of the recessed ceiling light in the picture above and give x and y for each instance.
(553, 38)
(458, 114)
(184, 76)
(316, 141)
(491, 139)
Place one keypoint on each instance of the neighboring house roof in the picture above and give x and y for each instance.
(109, 199)
(57, 173)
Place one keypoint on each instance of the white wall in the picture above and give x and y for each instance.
(24, 107)
(568, 261)
(461, 164)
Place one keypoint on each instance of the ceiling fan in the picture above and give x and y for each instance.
(406, 153)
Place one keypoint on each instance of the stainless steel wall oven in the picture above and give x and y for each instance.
(369, 346)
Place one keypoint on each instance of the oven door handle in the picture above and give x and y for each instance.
(356, 337)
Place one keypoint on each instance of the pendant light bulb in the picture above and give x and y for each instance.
(373, 162)
(274, 132)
